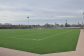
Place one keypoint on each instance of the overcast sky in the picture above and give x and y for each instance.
(41, 11)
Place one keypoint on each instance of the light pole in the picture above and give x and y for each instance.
(28, 20)
(66, 23)
(83, 19)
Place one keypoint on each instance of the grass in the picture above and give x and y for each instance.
(40, 41)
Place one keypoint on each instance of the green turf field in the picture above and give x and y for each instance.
(40, 41)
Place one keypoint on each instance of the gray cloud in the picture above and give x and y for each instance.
(17, 10)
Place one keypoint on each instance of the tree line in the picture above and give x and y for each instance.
(47, 25)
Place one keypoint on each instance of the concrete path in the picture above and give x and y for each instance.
(80, 46)
(79, 51)
(11, 52)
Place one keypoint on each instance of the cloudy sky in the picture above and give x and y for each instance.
(41, 11)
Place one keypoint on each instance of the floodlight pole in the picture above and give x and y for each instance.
(83, 19)
(66, 20)
(28, 20)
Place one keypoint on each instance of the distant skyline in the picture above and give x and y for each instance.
(41, 11)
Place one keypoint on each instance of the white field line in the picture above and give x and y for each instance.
(42, 38)
(22, 38)
(54, 35)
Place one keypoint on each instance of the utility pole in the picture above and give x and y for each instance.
(28, 20)
(78, 23)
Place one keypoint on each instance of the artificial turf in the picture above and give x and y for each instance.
(40, 41)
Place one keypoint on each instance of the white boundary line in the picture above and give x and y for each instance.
(43, 38)
(55, 35)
